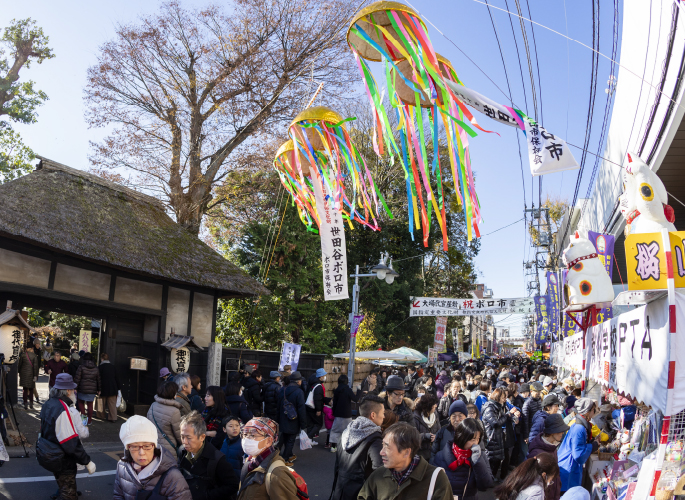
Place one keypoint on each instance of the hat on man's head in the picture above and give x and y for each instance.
(524, 387)
(568, 382)
(458, 406)
(295, 376)
(321, 373)
(64, 382)
(394, 383)
(550, 399)
(274, 375)
(536, 386)
(504, 374)
(164, 372)
(547, 381)
(584, 405)
(555, 423)
(265, 425)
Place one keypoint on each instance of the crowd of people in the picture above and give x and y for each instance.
(399, 434)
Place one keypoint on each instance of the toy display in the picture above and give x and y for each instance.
(588, 280)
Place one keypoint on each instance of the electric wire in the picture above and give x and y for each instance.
(537, 64)
(530, 63)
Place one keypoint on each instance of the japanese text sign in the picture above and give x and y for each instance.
(84, 340)
(440, 330)
(554, 303)
(541, 318)
(290, 355)
(11, 339)
(646, 260)
(180, 360)
(546, 152)
(604, 246)
(433, 306)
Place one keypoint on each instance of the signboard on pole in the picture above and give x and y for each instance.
(434, 306)
(440, 331)
(290, 355)
(432, 356)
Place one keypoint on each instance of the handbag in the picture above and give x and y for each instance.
(288, 407)
(310, 397)
(50, 455)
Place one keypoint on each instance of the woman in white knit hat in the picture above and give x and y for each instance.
(147, 466)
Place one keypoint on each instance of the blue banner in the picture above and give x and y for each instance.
(541, 319)
(553, 289)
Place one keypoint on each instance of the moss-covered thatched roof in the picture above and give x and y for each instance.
(83, 215)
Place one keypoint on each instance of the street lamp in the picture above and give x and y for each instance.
(380, 271)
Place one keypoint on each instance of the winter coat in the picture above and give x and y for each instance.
(530, 408)
(270, 393)
(574, 452)
(365, 387)
(444, 407)
(535, 491)
(358, 455)
(494, 418)
(223, 483)
(109, 379)
(296, 397)
(440, 384)
(253, 395)
(501, 384)
(426, 429)
(73, 367)
(466, 481)
(183, 400)
(196, 402)
(87, 378)
(444, 437)
(538, 426)
(282, 483)
(55, 368)
(238, 406)
(127, 483)
(404, 410)
(27, 367)
(381, 485)
(410, 382)
(509, 431)
(166, 415)
(481, 399)
(342, 401)
(57, 427)
(233, 450)
(537, 446)
(518, 402)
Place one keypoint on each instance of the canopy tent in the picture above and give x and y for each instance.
(381, 355)
(408, 351)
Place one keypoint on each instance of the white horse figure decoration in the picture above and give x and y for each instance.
(588, 281)
(644, 200)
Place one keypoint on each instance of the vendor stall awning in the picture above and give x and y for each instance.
(178, 341)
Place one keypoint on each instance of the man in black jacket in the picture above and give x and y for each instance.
(253, 392)
(410, 381)
(270, 393)
(359, 450)
(110, 386)
(291, 427)
(56, 426)
(208, 474)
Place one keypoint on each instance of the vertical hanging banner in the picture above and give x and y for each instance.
(541, 318)
(333, 248)
(554, 304)
(290, 355)
(604, 245)
(356, 323)
(440, 330)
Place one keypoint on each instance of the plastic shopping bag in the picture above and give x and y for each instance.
(305, 442)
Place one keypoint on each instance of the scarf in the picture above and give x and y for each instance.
(461, 456)
(401, 477)
(429, 421)
(256, 461)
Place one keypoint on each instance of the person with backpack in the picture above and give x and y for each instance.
(292, 416)
(206, 470)
(147, 470)
(265, 474)
(315, 401)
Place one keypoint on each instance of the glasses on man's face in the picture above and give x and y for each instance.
(134, 448)
(398, 393)
(257, 436)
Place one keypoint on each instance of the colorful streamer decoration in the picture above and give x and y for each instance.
(321, 158)
(416, 79)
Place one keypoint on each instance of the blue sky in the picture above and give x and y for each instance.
(77, 28)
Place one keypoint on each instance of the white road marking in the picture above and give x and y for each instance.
(52, 478)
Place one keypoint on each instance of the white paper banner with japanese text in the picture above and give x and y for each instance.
(569, 353)
(290, 355)
(432, 306)
(333, 249)
(630, 353)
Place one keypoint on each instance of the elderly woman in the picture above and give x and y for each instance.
(146, 466)
(165, 415)
(28, 367)
(210, 477)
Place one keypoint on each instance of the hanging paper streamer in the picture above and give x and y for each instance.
(547, 153)
(320, 157)
(416, 79)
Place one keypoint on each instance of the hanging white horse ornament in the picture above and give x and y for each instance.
(644, 200)
(588, 280)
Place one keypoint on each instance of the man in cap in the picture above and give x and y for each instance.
(530, 407)
(271, 388)
(578, 445)
(550, 406)
(56, 426)
(548, 442)
(291, 427)
(315, 401)
(394, 399)
(265, 474)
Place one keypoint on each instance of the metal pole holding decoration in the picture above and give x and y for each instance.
(353, 334)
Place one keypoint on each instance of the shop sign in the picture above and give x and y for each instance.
(647, 264)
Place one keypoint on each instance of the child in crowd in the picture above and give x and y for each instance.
(232, 447)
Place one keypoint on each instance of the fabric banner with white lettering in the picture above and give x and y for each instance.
(333, 249)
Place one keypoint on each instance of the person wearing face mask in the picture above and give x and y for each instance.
(548, 442)
(531, 406)
(264, 474)
(314, 402)
(465, 464)
(445, 435)
(578, 445)
(530, 479)
(147, 469)
(206, 470)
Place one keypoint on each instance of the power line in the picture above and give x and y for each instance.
(503, 227)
